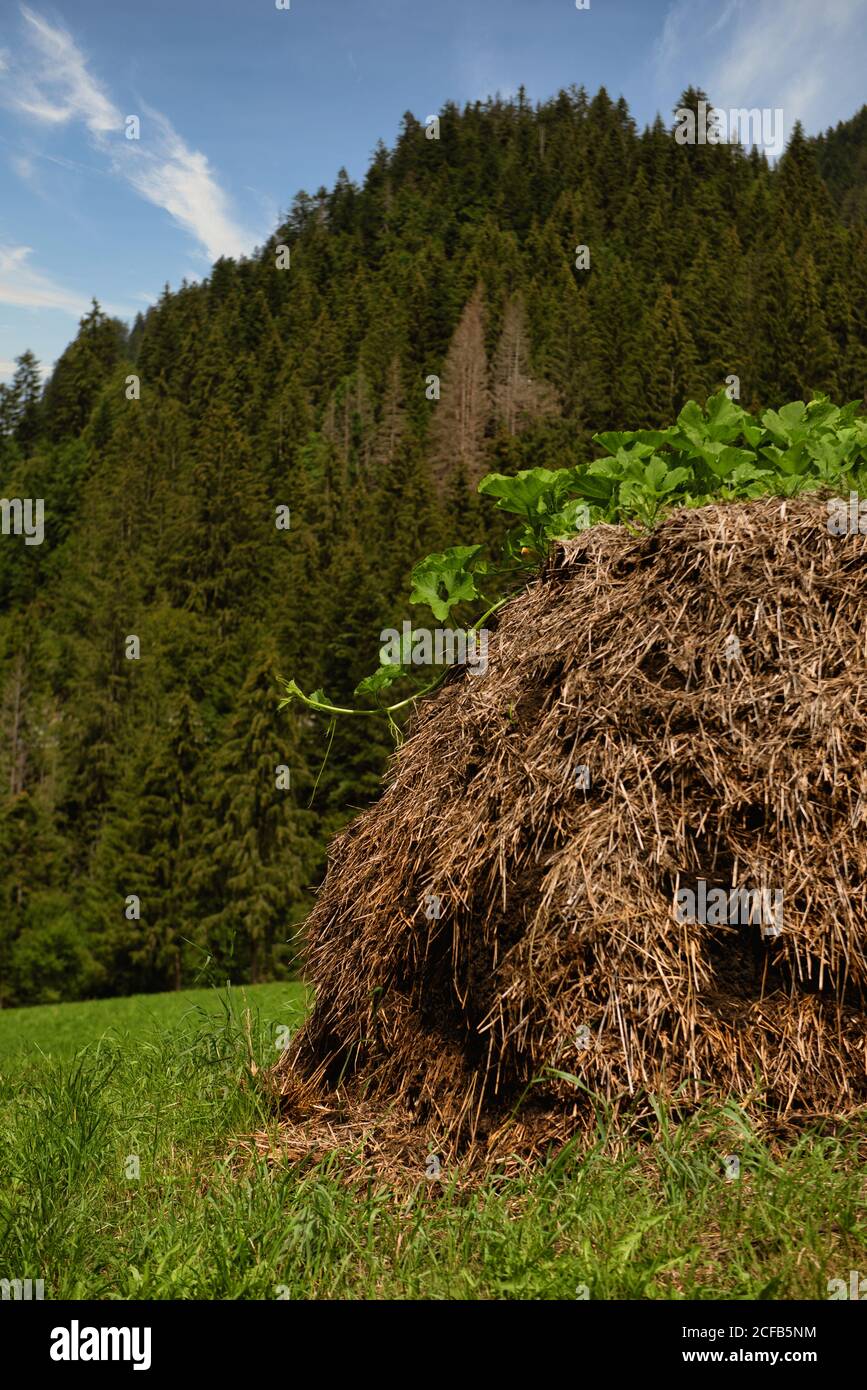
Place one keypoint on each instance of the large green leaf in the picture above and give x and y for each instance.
(595, 486)
(723, 459)
(612, 440)
(443, 580)
(788, 424)
(529, 493)
(725, 418)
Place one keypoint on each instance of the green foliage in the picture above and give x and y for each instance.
(541, 498)
(716, 453)
(259, 852)
(49, 958)
(445, 580)
(80, 373)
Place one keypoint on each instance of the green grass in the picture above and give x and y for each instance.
(165, 1079)
(59, 1030)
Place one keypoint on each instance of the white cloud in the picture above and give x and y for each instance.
(181, 181)
(800, 56)
(61, 89)
(29, 289)
(51, 84)
(803, 57)
(727, 14)
(669, 46)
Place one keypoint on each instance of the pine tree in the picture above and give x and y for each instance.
(463, 413)
(518, 396)
(81, 371)
(669, 358)
(147, 853)
(21, 413)
(259, 851)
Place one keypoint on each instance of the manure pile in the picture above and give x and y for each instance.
(500, 921)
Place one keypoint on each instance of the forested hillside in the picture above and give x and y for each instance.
(303, 378)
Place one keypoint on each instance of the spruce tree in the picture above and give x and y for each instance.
(259, 853)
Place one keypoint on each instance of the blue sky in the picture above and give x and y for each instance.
(241, 104)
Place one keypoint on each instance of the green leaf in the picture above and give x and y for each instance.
(528, 493)
(785, 424)
(673, 478)
(612, 440)
(606, 468)
(655, 472)
(571, 519)
(692, 422)
(443, 580)
(381, 678)
(293, 692)
(725, 418)
(724, 459)
(596, 486)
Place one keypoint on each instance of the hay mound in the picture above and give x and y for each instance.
(558, 948)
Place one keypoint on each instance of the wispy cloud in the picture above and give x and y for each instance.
(724, 18)
(58, 88)
(181, 180)
(803, 57)
(27, 288)
(670, 44)
(791, 55)
(50, 83)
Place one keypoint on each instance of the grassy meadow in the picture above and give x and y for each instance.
(85, 1089)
